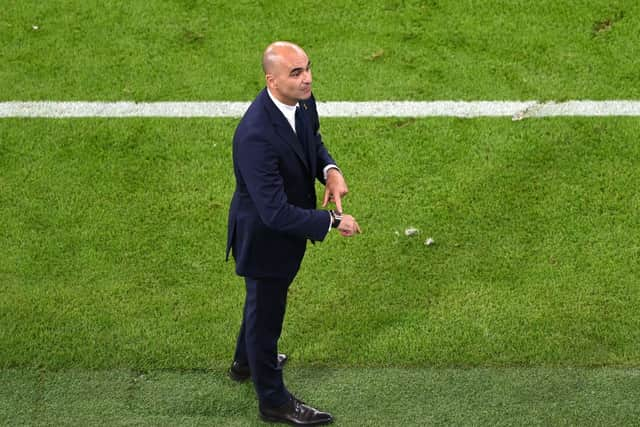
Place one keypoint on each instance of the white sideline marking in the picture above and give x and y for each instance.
(517, 110)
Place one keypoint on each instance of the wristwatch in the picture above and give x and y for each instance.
(336, 217)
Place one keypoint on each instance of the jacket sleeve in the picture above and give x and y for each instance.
(258, 165)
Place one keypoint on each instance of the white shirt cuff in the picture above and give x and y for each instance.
(326, 170)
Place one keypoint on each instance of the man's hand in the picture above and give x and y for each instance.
(335, 189)
(348, 226)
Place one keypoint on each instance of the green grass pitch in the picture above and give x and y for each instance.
(117, 306)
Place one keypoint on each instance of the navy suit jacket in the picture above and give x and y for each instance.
(273, 209)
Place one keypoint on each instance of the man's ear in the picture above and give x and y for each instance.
(270, 79)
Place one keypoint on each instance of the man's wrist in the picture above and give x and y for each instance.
(336, 218)
(327, 168)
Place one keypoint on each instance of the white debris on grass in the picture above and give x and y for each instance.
(411, 231)
(429, 241)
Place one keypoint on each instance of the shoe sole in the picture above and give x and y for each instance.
(283, 421)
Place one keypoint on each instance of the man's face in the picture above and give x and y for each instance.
(290, 80)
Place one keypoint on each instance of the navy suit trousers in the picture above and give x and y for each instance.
(257, 345)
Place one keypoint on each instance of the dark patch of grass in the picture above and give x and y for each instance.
(356, 397)
(606, 24)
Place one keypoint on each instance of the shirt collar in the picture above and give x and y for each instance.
(289, 111)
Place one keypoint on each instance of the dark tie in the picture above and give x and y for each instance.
(301, 132)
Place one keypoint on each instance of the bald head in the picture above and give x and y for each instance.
(275, 52)
(287, 72)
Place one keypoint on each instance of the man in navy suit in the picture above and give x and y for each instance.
(277, 156)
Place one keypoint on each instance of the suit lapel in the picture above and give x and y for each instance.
(283, 129)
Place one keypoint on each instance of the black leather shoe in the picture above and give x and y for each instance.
(295, 412)
(239, 372)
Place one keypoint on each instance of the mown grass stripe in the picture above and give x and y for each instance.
(386, 397)
(517, 110)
